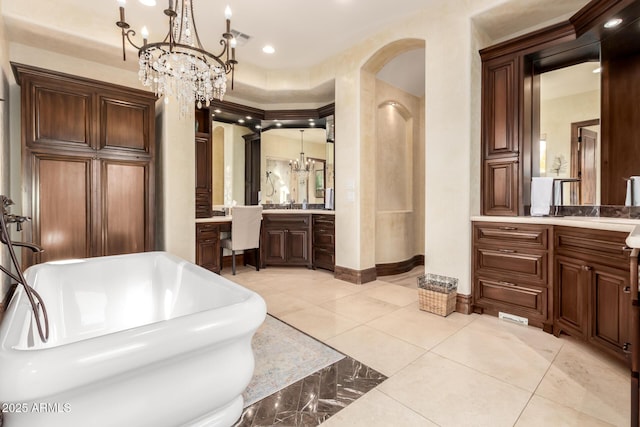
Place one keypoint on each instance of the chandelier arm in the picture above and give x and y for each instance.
(128, 34)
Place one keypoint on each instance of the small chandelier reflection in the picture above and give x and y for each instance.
(179, 65)
(301, 167)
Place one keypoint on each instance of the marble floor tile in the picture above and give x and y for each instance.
(325, 291)
(543, 412)
(376, 349)
(419, 327)
(376, 409)
(360, 307)
(408, 279)
(312, 400)
(516, 354)
(588, 381)
(319, 322)
(450, 394)
(281, 303)
(392, 294)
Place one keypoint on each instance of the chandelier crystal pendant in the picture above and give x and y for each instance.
(179, 66)
(301, 167)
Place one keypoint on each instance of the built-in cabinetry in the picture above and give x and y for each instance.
(592, 293)
(88, 165)
(563, 279)
(324, 242)
(208, 246)
(203, 163)
(286, 240)
(501, 84)
(512, 264)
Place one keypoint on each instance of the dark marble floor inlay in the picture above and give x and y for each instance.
(315, 398)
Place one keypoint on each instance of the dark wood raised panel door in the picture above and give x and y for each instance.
(298, 247)
(500, 187)
(275, 247)
(62, 222)
(125, 124)
(611, 302)
(61, 115)
(203, 177)
(500, 79)
(571, 297)
(124, 210)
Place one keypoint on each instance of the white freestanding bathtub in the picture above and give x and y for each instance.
(144, 339)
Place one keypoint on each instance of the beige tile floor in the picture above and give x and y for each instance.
(455, 371)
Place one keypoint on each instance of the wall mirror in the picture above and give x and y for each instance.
(568, 146)
(280, 143)
(579, 113)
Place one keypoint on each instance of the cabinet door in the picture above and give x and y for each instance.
(63, 214)
(208, 254)
(274, 247)
(125, 206)
(298, 247)
(610, 307)
(500, 106)
(571, 296)
(203, 177)
(500, 187)
(126, 123)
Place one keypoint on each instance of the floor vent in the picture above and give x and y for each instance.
(513, 318)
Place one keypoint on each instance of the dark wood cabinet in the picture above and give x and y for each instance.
(501, 93)
(511, 269)
(323, 243)
(88, 166)
(208, 246)
(286, 240)
(592, 293)
(203, 162)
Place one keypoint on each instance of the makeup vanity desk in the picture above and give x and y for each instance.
(288, 237)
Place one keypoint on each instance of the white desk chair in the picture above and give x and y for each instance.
(245, 232)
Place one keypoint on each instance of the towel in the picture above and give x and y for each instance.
(541, 195)
(328, 198)
(635, 190)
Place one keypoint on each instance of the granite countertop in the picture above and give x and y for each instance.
(269, 212)
(628, 225)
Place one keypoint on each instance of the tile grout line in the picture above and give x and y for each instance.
(405, 406)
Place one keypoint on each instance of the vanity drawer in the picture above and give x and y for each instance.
(515, 298)
(286, 220)
(526, 264)
(207, 231)
(602, 246)
(522, 235)
(324, 238)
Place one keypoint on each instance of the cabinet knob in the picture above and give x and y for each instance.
(587, 268)
(508, 228)
(507, 251)
(626, 289)
(626, 347)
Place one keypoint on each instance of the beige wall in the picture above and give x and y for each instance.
(399, 175)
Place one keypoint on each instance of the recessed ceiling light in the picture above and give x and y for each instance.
(217, 110)
(268, 49)
(613, 23)
(597, 70)
(148, 2)
(248, 117)
(312, 124)
(258, 127)
(278, 124)
(240, 120)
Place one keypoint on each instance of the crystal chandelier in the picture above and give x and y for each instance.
(302, 167)
(179, 66)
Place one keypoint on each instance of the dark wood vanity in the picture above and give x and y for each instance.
(287, 239)
(577, 280)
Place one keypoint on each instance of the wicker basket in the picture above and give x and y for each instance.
(437, 294)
